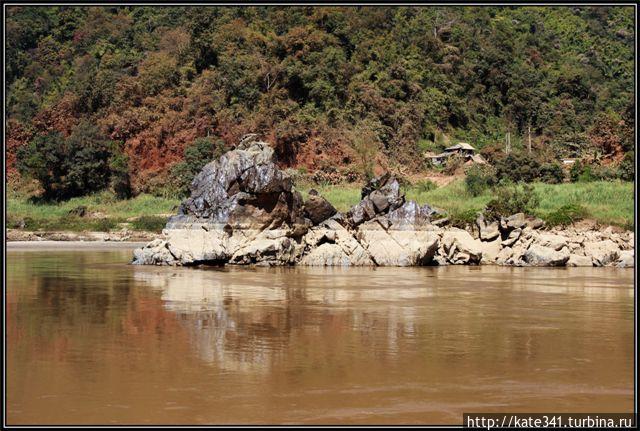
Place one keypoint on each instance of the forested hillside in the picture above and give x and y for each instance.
(133, 91)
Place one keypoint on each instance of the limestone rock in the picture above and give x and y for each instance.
(514, 235)
(602, 252)
(490, 251)
(488, 231)
(538, 255)
(577, 260)
(626, 259)
(460, 247)
(555, 242)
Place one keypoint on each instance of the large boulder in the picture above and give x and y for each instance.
(488, 231)
(538, 255)
(244, 189)
(556, 242)
(602, 253)
(379, 196)
(578, 260)
(318, 209)
(626, 259)
(397, 247)
(460, 248)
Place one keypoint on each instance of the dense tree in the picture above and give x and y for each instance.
(306, 78)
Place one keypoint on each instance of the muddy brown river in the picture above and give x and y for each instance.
(93, 340)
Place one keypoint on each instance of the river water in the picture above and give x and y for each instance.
(93, 340)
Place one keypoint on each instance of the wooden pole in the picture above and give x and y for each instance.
(529, 138)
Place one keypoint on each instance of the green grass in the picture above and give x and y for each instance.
(607, 202)
(143, 212)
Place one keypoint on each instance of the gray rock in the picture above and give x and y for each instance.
(488, 231)
(538, 255)
(577, 260)
(626, 259)
(318, 209)
(602, 253)
(514, 235)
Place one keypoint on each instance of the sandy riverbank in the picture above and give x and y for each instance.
(72, 245)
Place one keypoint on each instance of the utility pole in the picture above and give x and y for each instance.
(529, 138)
(507, 148)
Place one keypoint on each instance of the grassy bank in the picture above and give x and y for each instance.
(605, 202)
(105, 212)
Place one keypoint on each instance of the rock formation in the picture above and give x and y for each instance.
(244, 210)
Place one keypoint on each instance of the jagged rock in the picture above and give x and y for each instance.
(577, 260)
(245, 189)
(318, 209)
(362, 212)
(626, 259)
(602, 252)
(516, 221)
(410, 216)
(514, 235)
(538, 255)
(379, 195)
(244, 210)
(350, 253)
(488, 231)
(534, 223)
(154, 253)
(460, 247)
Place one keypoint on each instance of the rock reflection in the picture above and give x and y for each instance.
(242, 319)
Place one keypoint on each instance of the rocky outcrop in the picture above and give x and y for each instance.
(244, 210)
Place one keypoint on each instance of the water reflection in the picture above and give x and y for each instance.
(94, 340)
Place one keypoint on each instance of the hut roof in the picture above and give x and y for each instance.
(460, 146)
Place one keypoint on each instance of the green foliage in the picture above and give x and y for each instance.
(149, 223)
(154, 75)
(479, 178)
(627, 168)
(68, 167)
(518, 167)
(551, 173)
(566, 215)
(366, 143)
(462, 219)
(510, 200)
(425, 186)
(196, 155)
(576, 171)
(120, 178)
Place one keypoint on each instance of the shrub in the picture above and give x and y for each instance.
(551, 173)
(68, 167)
(120, 179)
(518, 167)
(580, 172)
(425, 186)
(479, 178)
(149, 223)
(627, 167)
(566, 215)
(509, 200)
(603, 173)
(196, 155)
(463, 218)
